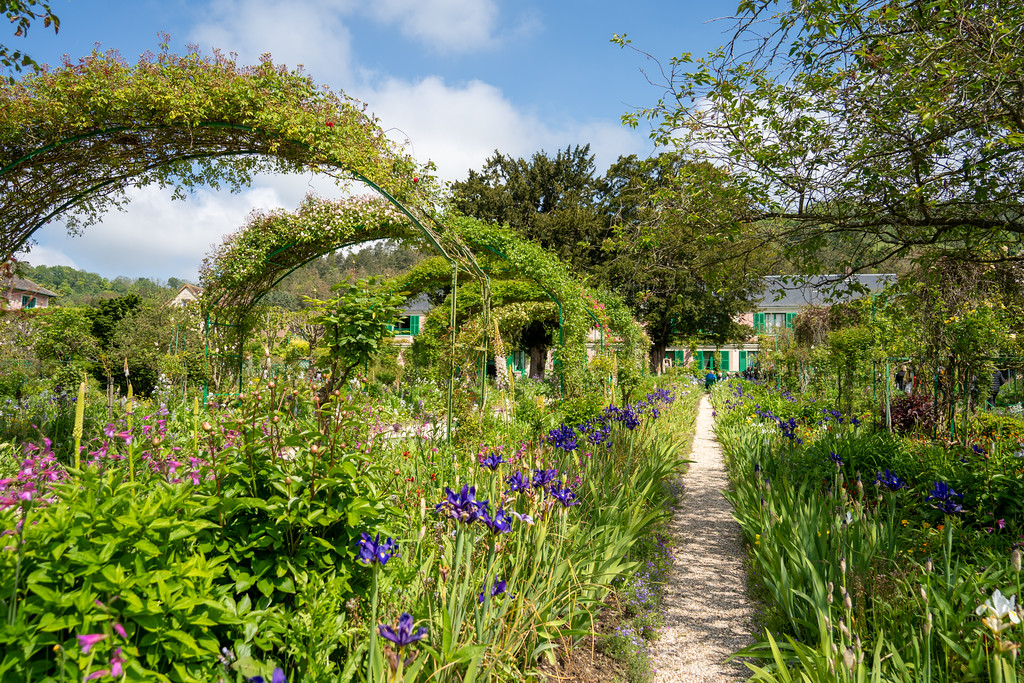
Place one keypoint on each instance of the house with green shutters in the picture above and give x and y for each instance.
(784, 298)
(411, 320)
(22, 294)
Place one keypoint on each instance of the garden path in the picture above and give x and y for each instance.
(706, 613)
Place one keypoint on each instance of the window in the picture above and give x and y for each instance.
(771, 322)
(28, 301)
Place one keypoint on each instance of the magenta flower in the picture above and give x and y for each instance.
(87, 641)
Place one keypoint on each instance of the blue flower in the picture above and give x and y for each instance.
(563, 437)
(403, 636)
(492, 461)
(517, 482)
(564, 495)
(277, 677)
(889, 480)
(372, 551)
(497, 589)
(542, 478)
(499, 523)
(835, 458)
(463, 506)
(943, 496)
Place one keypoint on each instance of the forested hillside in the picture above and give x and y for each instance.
(80, 288)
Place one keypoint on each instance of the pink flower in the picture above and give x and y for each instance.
(119, 630)
(87, 641)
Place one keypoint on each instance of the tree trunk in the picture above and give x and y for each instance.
(658, 358)
(538, 359)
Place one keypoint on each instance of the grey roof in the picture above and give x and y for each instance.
(797, 291)
(417, 305)
(17, 284)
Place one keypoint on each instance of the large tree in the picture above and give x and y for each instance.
(672, 255)
(893, 127)
(550, 200)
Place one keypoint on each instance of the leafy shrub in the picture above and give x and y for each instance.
(912, 412)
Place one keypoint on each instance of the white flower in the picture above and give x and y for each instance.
(999, 608)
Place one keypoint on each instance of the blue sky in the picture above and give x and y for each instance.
(457, 78)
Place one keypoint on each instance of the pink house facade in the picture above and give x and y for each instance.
(21, 294)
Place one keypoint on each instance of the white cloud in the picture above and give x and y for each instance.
(458, 127)
(443, 25)
(155, 237)
(294, 32)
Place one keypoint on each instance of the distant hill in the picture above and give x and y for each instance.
(382, 259)
(79, 288)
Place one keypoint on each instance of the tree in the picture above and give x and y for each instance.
(356, 323)
(668, 257)
(894, 127)
(552, 201)
(22, 13)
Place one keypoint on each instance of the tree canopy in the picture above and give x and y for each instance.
(895, 128)
(550, 200)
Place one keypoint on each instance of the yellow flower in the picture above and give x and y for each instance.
(926, 525)
(904, 522)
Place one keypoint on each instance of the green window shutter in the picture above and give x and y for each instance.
(743, 360)
(414, 324)
(680, 357)
(759, 322)
(700, 360)
(790, 317)
(725, 361)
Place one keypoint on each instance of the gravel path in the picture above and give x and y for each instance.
(707, 615)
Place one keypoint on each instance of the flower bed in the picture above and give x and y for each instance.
(275, 533)
(874, 555)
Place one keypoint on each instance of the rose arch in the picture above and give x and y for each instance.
(74, 139)
(272, 244)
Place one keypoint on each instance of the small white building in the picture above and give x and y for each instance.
(185, 296)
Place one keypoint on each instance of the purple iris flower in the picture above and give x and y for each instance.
(889, 480)
(500, 523)
(497, 589)
(542, 478)
(462, 506)
(943, 496)
(565, 496)
(492, 461)
(835, 458)
(277, 677)
(563, 437)
(517, 482)
(372, 551)
(404, 635)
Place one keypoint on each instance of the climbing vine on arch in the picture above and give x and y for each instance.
(74, 139)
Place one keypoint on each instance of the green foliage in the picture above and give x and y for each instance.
(356, 323)
(179, 121)
(666, 247)
(868, 130)
(547, 200)
(253, 552)
(854, 571)
(80, 288)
